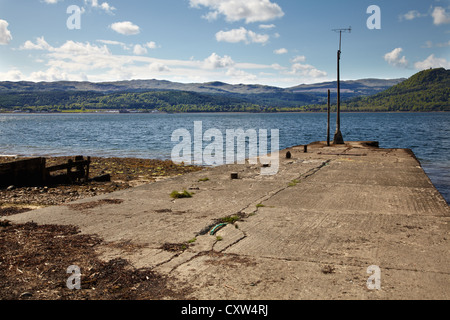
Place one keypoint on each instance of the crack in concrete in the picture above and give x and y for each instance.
(205, 230)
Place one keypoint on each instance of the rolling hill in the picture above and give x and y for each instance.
(426, 91)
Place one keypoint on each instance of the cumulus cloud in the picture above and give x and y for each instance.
(139, 50)
(241, 35)
(151, 45)
(281, 51)
(411, 15)
(126, 28)
(394, 58)
(142, 49)
(236, 10)
(5, 34)
(440, 16)
(297, 59)
(11, 75)
(301, 70)
(79, 48)
(104, 5)
(40, 44)
(307, 70)
(432, 62)
(84, 61)
(214, 61)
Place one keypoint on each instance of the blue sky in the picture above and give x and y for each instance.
(272, 42)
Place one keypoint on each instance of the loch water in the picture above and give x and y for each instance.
(149, 135)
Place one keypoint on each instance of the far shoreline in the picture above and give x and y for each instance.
(210, 113)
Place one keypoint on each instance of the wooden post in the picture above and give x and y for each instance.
(328, 121)
(86, 178)
(69, 170)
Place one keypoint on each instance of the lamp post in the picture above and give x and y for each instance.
(338, 139)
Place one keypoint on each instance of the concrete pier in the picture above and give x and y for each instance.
(316, 230)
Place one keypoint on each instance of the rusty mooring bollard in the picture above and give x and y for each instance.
(305, 148)
(234, 176)
(288, 155)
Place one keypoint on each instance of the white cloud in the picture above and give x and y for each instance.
(267, 26)
(233, 36)
(432, 62)
(139, 50)
(5, 34)
(114, 43)
(394, 58)
(411, 15)
(300, 71)
(40, 44)
(158, 67)
(240, 75)
(142, 49)
(440, 16)
(51, 1)
(281, 51)
(241, 35)
(236, 10)
(104, 5)
(51, 74)
(307, 70)
(297, 59)
(78, 49)
(126, 28)
(84, 61)
(11, 75)
(214, 61)
(151, 45)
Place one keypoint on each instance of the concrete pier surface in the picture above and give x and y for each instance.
(349, 221)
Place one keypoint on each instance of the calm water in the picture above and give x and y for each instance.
(149, 135)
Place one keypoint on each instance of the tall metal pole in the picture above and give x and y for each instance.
(338, 139)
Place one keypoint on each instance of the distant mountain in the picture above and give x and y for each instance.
(428, 90)
(349, 88)
(359, 87)
(17, 94)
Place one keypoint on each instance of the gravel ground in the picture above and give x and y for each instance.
(34, 258)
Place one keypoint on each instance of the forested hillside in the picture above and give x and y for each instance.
(428, 90)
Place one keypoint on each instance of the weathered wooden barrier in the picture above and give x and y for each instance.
(33, 172)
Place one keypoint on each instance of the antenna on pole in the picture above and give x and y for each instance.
(338, 139)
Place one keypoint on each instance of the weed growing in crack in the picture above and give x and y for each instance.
(179, 195)
(231, 219)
